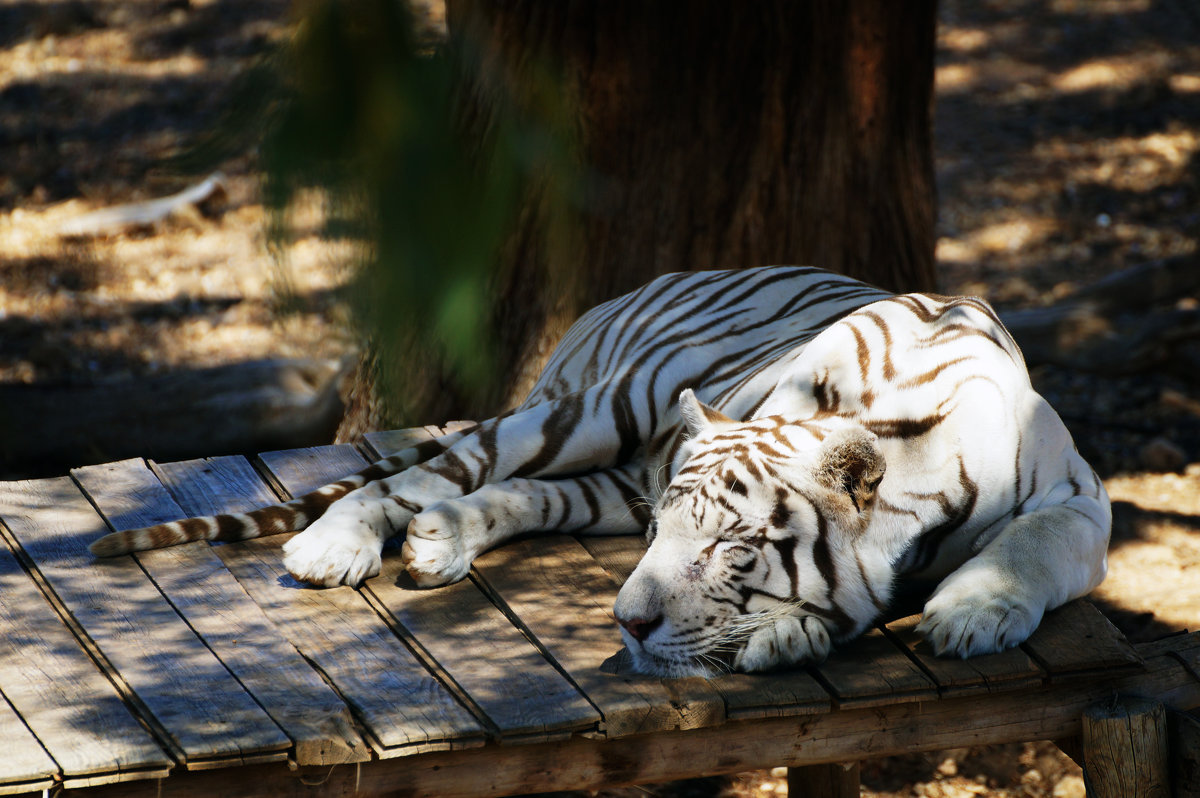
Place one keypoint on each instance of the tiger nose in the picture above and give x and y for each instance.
(640, 628)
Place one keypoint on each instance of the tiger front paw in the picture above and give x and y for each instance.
(784, 642)
(433, 551)
(967, 625)
(329, 559)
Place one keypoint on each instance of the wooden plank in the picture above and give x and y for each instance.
(406, 708)
(219, 610)
(385, 443)
(872, 671)
(298, 471)
(147, 647)
(51, 681)
(772, 695)
(617, 554)
(215, 485)
(26, 766)
(1076, 640)
(1037, 713)
(493, 663)
(559, 593)
(481, 651)
(793, 692)
(1007, 670)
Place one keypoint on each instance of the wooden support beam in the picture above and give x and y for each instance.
(1184, 729)
(1125, 749)
(824, 781)
(585, 763)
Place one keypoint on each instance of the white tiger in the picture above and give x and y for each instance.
(808, 445)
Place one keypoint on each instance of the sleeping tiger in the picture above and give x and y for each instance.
(798, 447)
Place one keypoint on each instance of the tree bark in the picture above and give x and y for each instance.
(716, 136)
(725, 136)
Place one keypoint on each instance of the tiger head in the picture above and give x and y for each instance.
(758, 547)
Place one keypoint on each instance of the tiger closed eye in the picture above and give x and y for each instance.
(738, 555)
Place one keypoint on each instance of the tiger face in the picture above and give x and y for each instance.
(756, 554)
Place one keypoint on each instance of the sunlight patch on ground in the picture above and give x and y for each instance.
(1007, 236)
(963, 40)
(1099, 6)
(50, 57)
(1129, 163)
(1185, 84)
(955, 78)
(1112, 73)
(1149, 570)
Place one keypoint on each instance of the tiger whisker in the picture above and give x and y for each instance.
(736, 634)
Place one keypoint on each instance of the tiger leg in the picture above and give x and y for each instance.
(443, 540)
(1040, 561)
(558, 437)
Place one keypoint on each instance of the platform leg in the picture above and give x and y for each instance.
(1185, 754)
(824, 781)
(1125, 749)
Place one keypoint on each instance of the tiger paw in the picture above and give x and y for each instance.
(433, 552)
(328, 560)
(968, 625)
(786, 641)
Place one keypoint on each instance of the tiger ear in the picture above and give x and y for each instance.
(697, 416)
(853, 465)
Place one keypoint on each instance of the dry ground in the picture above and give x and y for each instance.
(1067, 149)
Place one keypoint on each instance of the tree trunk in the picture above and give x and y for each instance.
(722, 135)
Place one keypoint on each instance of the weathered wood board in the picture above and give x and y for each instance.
(404, 708)
(148, 647)
(1077, 641)
(27, 766)
(298, 471)
(486, 656)
(197, 583)
(385, 443)
(1007, 670)
(1041, 712)
(65, 700)
(617, 554)
(563, 597)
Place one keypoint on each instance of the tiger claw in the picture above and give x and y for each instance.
(784, 642)
(971, 628)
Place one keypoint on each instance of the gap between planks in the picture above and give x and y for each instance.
(130, 700)
(549, 709)
(194, 580)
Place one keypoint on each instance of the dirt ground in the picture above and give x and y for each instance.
(1067, 137)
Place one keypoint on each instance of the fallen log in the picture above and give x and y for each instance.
(1131, 321)
(244, 407)
(147, 213)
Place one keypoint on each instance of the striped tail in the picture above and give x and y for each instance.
(289, 516)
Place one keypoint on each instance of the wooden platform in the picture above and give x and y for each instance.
(204, 670)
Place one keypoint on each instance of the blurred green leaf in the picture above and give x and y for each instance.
(425, 160)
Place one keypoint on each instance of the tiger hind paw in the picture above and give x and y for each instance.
(433, 552)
